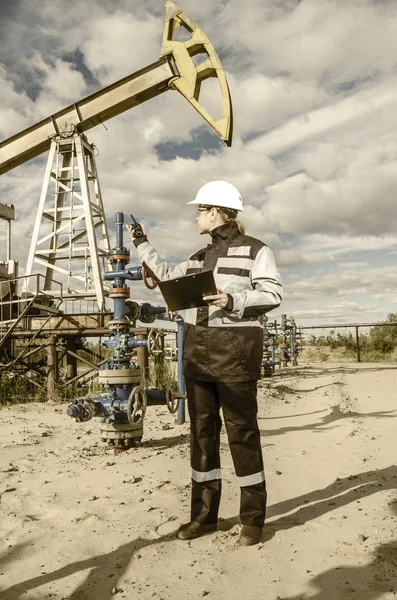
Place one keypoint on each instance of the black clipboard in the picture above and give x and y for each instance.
(188, 291)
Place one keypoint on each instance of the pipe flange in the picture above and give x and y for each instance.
(82, 409)
(119, 327)
(115, 257)
(121, 323)
(137, 404)
(121, 292)
(120, 376)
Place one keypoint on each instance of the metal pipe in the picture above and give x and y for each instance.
(90, 373)
(107, 404)
(119, 229)
(8, 240)
(121, 376)
(358, 345)
(181, 379)
(52, 368)
(71, 361)
(80, 358)
(273, 351)
(345, 325)
(99, 331)
(133, 274)
(292, 342)
(104, 104)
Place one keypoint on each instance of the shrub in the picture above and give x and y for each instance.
(379, 344)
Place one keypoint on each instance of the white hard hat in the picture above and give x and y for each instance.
(219, 193)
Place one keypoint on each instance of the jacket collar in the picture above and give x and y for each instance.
(225, 232)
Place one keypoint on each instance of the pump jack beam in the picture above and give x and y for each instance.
(87, 113)
(174, 70)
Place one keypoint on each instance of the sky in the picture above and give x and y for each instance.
(314, 155)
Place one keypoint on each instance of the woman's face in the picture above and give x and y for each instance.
(204, 216)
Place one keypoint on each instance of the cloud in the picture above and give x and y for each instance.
(266, 103)
(315, 146)
(343, 203)
(359, 264)
(292, 258)
(362, 246)
(312, 39)
(110, 49)
(14, 107)
(345, 282)
(338, 312)
(61, 85)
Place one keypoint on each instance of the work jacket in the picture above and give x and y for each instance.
(224, 344)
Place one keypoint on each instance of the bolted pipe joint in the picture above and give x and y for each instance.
(133, 274)
(87, 407)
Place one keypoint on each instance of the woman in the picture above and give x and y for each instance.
(222, 357)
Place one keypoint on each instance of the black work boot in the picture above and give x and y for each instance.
(250, 535)
(193, 529)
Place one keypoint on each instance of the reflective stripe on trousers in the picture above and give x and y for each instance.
(239, 407)
(217, 474)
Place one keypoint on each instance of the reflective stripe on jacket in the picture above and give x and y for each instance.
(225, 345)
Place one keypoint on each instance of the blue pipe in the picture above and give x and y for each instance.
(273, 351)
(134, 274)
(181, 379)
(119, 229)
(292, 341)
(125, 341)
(106, 405)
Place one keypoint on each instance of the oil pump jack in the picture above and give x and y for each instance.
(70, 235)
(70, 227)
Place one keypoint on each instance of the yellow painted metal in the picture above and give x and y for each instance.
(191, 76)
(174, 70)
(7, 212)
(87, 113)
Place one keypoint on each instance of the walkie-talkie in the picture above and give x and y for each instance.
(136, 227)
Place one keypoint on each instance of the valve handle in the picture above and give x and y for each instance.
(137, 404)
(172, 400)
(153, 342)
(146, 277)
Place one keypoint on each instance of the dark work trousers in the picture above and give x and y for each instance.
(239, 407)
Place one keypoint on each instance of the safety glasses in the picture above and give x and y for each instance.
(203, 209)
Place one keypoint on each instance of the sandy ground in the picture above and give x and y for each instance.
(79, 521)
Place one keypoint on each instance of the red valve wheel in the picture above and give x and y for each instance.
(146, 277)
